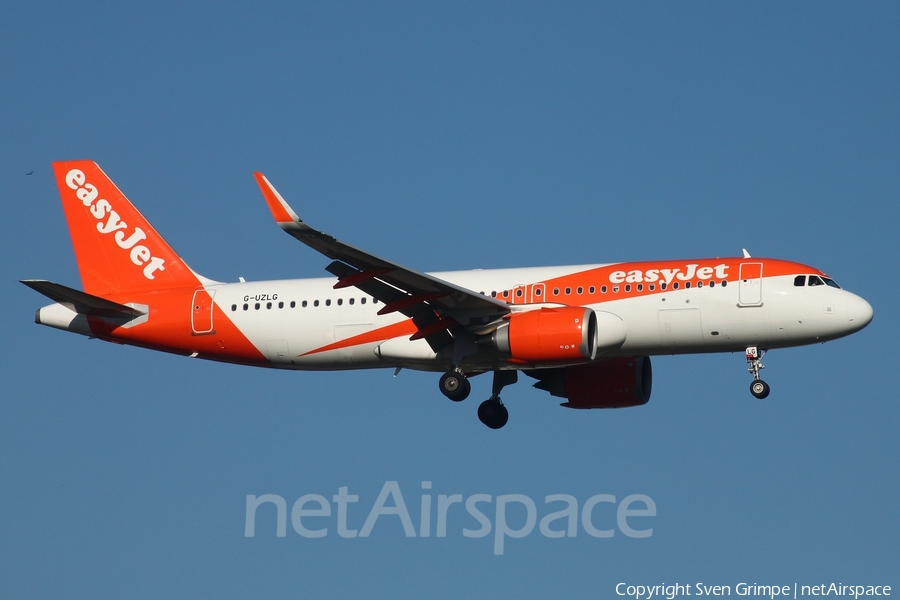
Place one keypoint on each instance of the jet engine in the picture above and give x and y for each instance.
(548, 335)
(613, 383)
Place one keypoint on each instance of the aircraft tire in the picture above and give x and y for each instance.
(493, 414)
(759, 388)
(455, 386)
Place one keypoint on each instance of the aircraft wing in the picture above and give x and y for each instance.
(435, 305)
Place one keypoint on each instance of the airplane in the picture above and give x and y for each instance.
(585, 333)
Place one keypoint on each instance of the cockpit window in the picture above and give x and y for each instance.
(831, 283)
(814, 280)
(799, 280)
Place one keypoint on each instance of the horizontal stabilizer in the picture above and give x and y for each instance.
(83, 303)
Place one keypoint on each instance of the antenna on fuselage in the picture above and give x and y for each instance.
(746, 254)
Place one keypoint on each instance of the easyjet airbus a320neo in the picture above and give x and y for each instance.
(585, 333)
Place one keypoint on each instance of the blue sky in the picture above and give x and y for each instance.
(450, 136)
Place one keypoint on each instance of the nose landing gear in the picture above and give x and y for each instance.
(758, 387)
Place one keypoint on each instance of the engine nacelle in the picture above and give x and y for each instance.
(548, 335)
(614, 383)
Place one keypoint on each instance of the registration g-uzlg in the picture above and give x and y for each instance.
(583, 333)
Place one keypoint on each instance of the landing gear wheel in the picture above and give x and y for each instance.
(759, 388)
(455, 386)
(493, 414)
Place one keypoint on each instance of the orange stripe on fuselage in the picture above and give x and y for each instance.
(406, 327)
(646, 273)
(168, 328)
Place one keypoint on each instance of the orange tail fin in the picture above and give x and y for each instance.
(117, 250)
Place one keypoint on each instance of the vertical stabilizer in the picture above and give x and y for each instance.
(117, 250)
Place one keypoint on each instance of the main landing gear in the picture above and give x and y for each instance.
(758, 387)
(455, 385)
(491, 412)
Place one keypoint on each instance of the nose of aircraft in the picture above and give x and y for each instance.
(860, 312)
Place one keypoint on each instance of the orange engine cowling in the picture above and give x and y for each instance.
(614, 383)
(549, 335)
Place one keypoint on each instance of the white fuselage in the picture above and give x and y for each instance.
(699, 319)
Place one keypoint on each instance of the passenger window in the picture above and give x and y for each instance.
(799, 280)
(603, 289)
(580, 290)
(362, 300)
(640, 287)
(506, 293)
(256, 306)
(556, 291)
(315, 303)
(568, 291)
(712, 284)
(537, 291)
(246, 307)
(281, 305)
(518, 293)
(493, 294)
(269, 305)
(592, 290)
(352, 301)
(687, 285)
(374, 300)
(699, 284)
(615, 289)
(628, 288)
(340, 301)
(814, 280)
(675, 285)
(652, 286)
(663, 285)
(724, 282)
(233, 307)
(328, 302)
